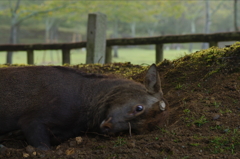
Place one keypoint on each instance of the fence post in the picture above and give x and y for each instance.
(96, 38)
(159, 52)
(213, 43)
(65, 56)
(30, 57)
(108, 58)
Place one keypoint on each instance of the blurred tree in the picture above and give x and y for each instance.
(135, 13)
(196, 10)
(20, 13)
(209, 12)
(125, 18)
(235, 15)
(120, 11)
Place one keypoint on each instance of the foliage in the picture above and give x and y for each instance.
(119, 142)
(148, 17)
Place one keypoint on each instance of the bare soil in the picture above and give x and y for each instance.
(203, 90)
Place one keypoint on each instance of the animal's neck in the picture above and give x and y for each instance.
(102, 94)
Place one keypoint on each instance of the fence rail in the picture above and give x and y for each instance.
(158, 41)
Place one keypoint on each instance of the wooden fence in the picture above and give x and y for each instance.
(158, 41)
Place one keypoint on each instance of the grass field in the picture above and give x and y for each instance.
(133, 55)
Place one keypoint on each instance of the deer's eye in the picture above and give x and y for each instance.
(139, 108)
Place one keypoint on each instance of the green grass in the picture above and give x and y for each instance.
(199, 122)
(133, 55)
(119, 142)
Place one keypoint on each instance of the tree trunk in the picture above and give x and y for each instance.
(49, 35)
(133, 29)
(115, 48)
(235, 15)
(13, 39)
(208, 23)
(16, 21)
(14, 30)
(53, 38)
(48, 25)
(193, 30)
(208, 17)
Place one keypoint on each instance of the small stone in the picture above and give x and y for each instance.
(218, 123)
(131, 144)
(40, 154)
(59, 152)
(79, 140)
(212, 98)
(25, 155)
(215, 116)
(226, 130)
(34, 153)
(58, 147)
(70, 151)
(72, 143)
(30, 149)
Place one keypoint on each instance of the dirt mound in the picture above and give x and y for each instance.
(203, 90)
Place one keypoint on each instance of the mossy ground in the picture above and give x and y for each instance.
(203, 90)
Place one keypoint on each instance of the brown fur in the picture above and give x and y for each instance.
(51, 104)
(156, 119)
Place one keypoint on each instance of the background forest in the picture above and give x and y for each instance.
(48, 21)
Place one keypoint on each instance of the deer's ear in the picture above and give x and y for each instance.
(152, 80)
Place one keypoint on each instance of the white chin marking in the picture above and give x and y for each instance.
(162, 105)
(102, 123)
